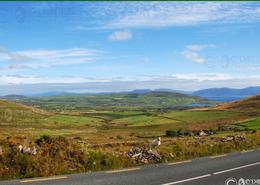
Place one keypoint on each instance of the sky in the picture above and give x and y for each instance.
(119, 46)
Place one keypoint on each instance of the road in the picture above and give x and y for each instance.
(201, 171)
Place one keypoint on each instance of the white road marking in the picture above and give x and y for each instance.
(246, 151)
(237, 168)
(217, 156)
(216, 173)
(123, 170)
(186, 180)
(180, 162)
(44, 179)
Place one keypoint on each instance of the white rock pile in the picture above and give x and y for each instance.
(236, 138)
(144, 155)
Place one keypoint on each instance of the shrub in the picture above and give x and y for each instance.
(180, 132)
(44, 139)
(119, 137)
(171, 133)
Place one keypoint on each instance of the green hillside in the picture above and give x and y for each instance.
(116, 100)
(13, 114)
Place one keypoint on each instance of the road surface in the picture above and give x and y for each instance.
(201, 171)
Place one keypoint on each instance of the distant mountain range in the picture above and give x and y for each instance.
(213, 94)
(12, 97)
(136, 91)
(227, 94)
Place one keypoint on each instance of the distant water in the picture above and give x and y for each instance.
(194, 105)
(225, 99)
(200, 105)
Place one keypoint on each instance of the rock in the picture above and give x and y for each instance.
(188, 133)
(202, 133)
(20, 148)
(236, 138)
(28, 150)
(205, 133)
(143, 155)
(172, 155)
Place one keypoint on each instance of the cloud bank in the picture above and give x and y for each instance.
(186, 82)
(32, 59)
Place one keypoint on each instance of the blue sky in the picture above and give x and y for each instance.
(112, 46)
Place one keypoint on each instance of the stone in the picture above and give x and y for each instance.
(144, 155)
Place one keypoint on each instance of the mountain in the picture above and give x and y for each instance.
(136, 91)
(54, 93)
(12, 97)
(251, 104)
(227, 94)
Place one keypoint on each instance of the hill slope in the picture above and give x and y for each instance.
(251, 104)
(14, 114)
(12, 97)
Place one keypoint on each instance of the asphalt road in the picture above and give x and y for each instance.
(202, 171)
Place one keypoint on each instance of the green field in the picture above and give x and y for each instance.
(66, 120)
(253, 124)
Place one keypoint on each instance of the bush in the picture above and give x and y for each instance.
(171, 133)
(119, 137)
(44, 139)
(180, 132)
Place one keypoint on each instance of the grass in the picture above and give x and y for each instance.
(15, 115)
(252, 124)
(143, 120)
(199, 116)
(205, 119)
(74, 120)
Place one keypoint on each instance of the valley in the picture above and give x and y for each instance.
(115, 125)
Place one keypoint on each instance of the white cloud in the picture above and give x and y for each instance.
(18, 79)
(165, 14)
(47, 58)
(199, 77)
(203, 76)
(192, 52)
(194, 56)
(186, 82)
(120, 36)
(199, 47)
